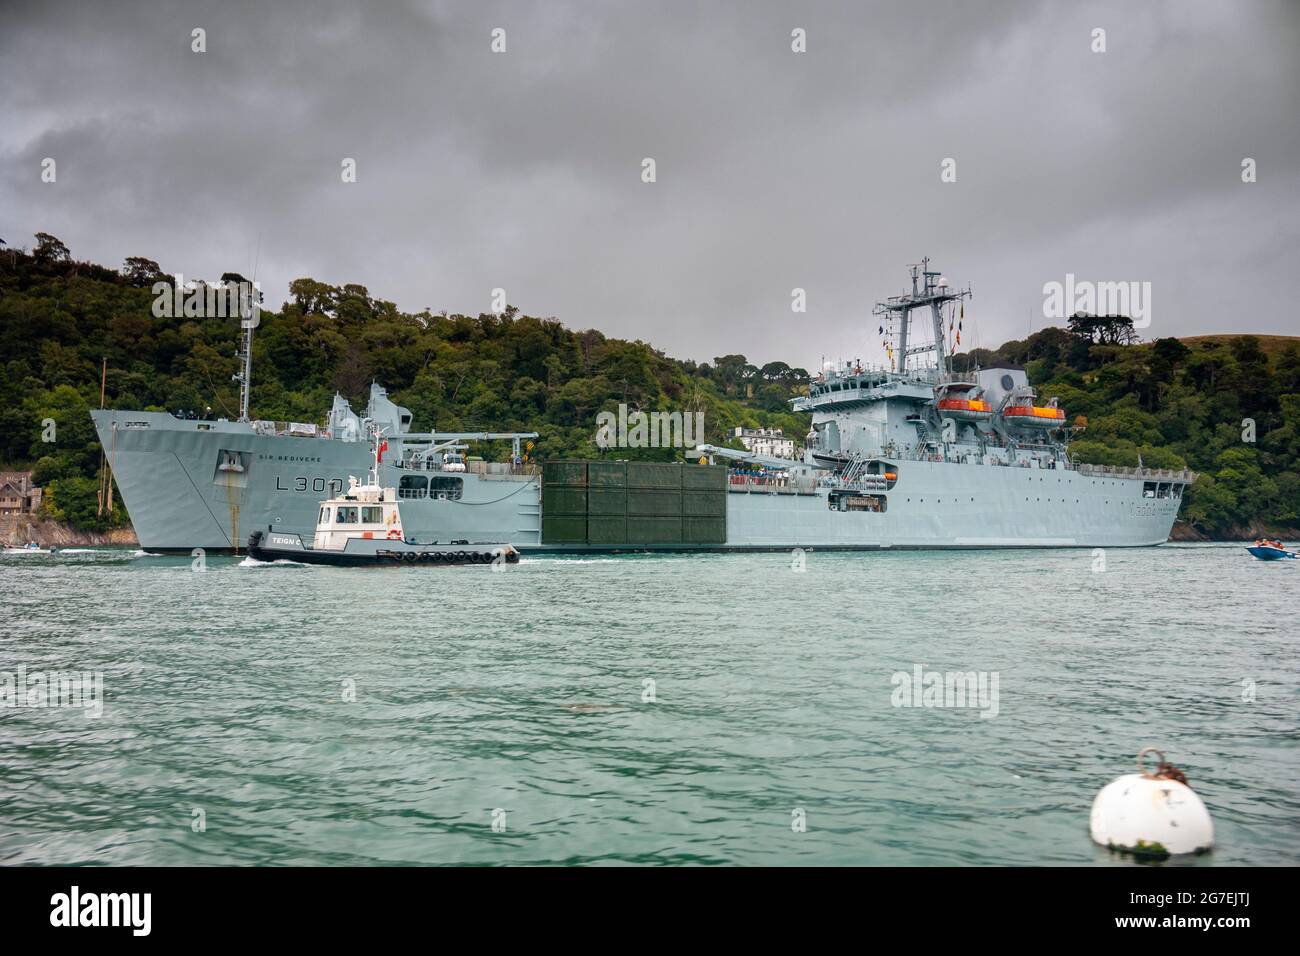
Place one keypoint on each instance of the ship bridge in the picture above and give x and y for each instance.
(861, 387)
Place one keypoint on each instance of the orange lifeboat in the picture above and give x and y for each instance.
(965, 409)
(1034, 416)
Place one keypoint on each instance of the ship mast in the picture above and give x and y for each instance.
(245, 374)
(249, 317)
(928, 288)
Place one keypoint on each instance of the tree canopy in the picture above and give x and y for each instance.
(1225, 406)
(511, 372)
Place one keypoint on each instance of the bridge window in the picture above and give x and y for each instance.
(347, 515)
(372, 515)
(413, 486)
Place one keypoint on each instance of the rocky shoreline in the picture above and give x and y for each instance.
(52, 534)
(1182, 531)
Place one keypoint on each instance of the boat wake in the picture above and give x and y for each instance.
(251, 562)
(523, 560)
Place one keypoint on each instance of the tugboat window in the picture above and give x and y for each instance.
(413, 486)
(347, 516)
(372, 515)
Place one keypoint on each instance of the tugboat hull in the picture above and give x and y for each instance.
(280, 546)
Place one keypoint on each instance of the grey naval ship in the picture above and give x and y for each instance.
(913, 455)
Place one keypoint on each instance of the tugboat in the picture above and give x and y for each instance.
(364, 526)
(1267, 549)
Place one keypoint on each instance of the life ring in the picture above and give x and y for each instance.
(394, 534)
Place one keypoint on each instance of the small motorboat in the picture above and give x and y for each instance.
(1269, 550)
(364, 527)
(31, 547)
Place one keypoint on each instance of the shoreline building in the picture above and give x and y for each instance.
(765, 441)
(18, 496)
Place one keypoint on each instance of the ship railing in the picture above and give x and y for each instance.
(1148, 474)
(272, 429)
(866, 483)
(484, 469)
(771, 485)
(502, 469)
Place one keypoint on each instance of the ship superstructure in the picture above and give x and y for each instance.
(913, 455)
(919, 410)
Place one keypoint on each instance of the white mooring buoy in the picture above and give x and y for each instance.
(1151, 815)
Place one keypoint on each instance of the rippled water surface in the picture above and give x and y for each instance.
(519, 697)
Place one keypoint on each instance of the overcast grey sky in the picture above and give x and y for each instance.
(775, 169)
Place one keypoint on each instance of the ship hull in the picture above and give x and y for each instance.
(175, 479)
(180, 495)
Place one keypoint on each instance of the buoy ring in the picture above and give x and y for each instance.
(395, 535)
(1143, 752)
(1164, 769)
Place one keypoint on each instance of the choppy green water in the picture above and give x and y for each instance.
(523, 691)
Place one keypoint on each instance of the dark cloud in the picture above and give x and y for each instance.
(775, 170)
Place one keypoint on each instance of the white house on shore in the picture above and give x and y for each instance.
(765, 441)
